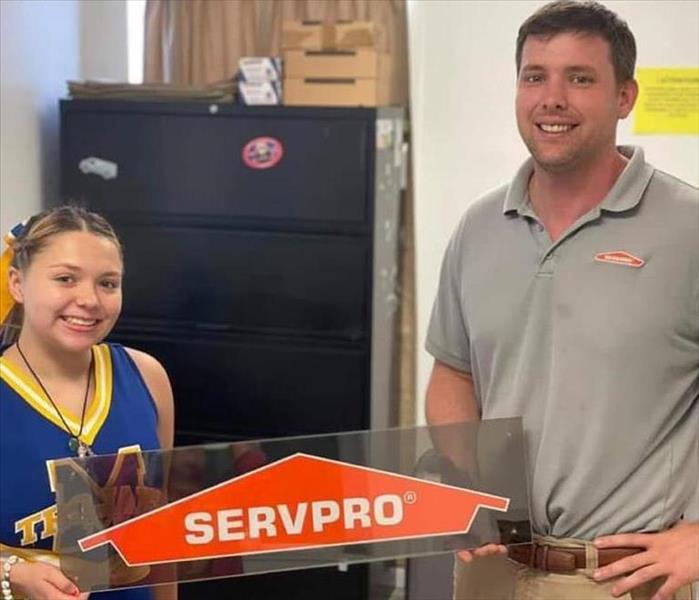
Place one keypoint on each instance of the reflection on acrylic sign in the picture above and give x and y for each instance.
(298, 502)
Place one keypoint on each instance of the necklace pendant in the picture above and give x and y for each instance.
(84, 450)
(74, 444)
(78, 446)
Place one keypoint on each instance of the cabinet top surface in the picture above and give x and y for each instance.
(228, 109)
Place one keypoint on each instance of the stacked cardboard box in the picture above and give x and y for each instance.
(335, 64)
(259, 80)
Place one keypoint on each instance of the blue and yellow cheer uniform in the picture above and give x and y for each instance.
(122, 414)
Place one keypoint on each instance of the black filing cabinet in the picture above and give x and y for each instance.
(261, 253)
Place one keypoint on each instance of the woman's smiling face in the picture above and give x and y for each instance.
(71, 291)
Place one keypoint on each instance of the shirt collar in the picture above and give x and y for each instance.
(625, 194)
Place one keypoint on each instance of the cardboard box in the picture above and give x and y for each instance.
(358, 62)
(336, 92)
(356, 77)
(319, 35)
(259, 93)
(257, 69)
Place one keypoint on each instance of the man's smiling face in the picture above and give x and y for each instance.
(568, 100)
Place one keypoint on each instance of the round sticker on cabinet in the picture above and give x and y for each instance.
(263, 153)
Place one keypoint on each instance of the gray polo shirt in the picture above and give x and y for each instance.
(593, 340)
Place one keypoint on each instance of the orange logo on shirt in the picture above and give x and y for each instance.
(620, 257)
(298, 502)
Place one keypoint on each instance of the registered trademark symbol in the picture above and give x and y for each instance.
(410, 497)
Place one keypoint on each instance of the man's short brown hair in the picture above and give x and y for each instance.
(584, 17)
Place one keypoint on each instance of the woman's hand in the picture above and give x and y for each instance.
(40, 581)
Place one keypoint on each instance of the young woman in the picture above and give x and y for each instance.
(63, 391)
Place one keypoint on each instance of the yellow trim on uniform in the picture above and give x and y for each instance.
(32, 394)
(119, 462)
(99, 409)
(51, 468)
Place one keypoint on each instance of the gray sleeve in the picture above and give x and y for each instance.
(447, 333)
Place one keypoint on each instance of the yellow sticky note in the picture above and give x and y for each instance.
(668, 101)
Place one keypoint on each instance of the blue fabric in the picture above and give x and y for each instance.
(28, 439)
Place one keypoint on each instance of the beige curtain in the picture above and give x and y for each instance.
(200, 41)
(192, 42)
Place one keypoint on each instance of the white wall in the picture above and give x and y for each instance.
(465, 139)
(39, 50)
(103, 40)
(43, 43)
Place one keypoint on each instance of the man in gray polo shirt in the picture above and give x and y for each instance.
(571, 297)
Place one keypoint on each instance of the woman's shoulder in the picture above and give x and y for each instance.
(143, 360)
(146, 364)
(152, 371)
(157, 381)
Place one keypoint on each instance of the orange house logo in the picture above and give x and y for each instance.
(620, 257)
(298, 502)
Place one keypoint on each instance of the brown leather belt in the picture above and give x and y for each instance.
(564, 560)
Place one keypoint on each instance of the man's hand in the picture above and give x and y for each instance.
(488, 550)
(673, 554)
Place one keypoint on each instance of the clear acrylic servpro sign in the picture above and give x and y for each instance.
(201, 512)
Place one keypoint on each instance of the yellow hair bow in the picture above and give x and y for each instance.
(7, 302)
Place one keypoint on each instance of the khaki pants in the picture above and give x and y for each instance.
(497, 578)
